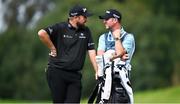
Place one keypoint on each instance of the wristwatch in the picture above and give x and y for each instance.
(116, 39)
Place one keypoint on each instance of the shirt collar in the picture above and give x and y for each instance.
(122, 32)
(70, 26)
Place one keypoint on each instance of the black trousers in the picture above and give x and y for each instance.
(65, 86)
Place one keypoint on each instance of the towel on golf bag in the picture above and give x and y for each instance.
(114, 86)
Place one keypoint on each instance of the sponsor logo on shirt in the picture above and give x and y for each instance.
(50, 30)
(82, 36)
(67, 36)
(89, 44)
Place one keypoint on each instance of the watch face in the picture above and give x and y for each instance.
(117, 39)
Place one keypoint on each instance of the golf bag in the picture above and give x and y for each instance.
(113, 83)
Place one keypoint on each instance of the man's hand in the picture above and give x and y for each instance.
(125, 57)
(53, 53)
(44, 37)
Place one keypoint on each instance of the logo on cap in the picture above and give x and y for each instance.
(74, 14)
(111, 13)
(108, 12)
(79, 10)
(116, 16)
(84, 9)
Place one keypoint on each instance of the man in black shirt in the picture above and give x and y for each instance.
(68, 43)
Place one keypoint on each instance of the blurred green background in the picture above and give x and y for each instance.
(155, 24)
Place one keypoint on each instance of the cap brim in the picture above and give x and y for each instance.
(104, 17)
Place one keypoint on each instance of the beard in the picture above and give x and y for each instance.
(80, 25)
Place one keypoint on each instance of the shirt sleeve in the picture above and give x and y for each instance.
(129, 44)
(52, 31)
(101, 43)
(91, 44)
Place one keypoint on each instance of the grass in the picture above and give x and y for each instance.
(168, 95)
(160, 96)
(10, 101)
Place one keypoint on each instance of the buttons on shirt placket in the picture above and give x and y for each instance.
(76, 35)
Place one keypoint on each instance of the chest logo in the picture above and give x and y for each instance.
(67, 36)
(82, 36)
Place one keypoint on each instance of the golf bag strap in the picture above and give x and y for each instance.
(96, 91)
(93, 94)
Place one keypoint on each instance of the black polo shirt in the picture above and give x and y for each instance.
(71, 44)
